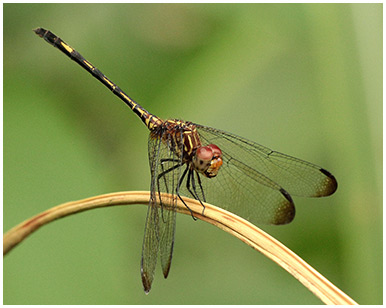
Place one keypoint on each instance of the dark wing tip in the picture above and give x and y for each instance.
(146, 282)
(166, 269)
(330, 184)
(285, 213)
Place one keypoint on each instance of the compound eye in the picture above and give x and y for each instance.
(215, 150)
(208, 160)
(204, 154)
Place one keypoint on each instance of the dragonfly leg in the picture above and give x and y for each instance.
(199, 183)
(194, 192)
(162, 161)
(178, 191)
(194, 195)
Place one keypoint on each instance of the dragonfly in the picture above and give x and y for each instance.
(209, 165)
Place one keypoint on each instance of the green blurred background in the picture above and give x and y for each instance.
(303, 79)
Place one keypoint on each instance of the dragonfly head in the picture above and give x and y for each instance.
(207, 160)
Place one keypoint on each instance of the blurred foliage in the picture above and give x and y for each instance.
(303, 79)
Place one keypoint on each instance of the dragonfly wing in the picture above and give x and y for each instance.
(256, 182)
(165, 168)
(152, 235)
(169, 172)
(243, 191)
(298, 177)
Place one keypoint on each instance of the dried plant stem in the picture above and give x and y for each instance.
(226, 221)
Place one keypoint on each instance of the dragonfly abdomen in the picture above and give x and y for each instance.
(150, 120)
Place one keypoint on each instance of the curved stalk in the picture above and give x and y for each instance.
(223, 219)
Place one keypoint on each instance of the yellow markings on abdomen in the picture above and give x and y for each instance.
(128, 99)
(88, 64)
(140, 111)
(68, 48)
(109, 82)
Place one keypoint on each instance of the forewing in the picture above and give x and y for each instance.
(256, 182)
(296, 176)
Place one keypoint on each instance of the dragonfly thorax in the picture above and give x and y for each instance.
(180, 137)
(183, 139)
(207, 160)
